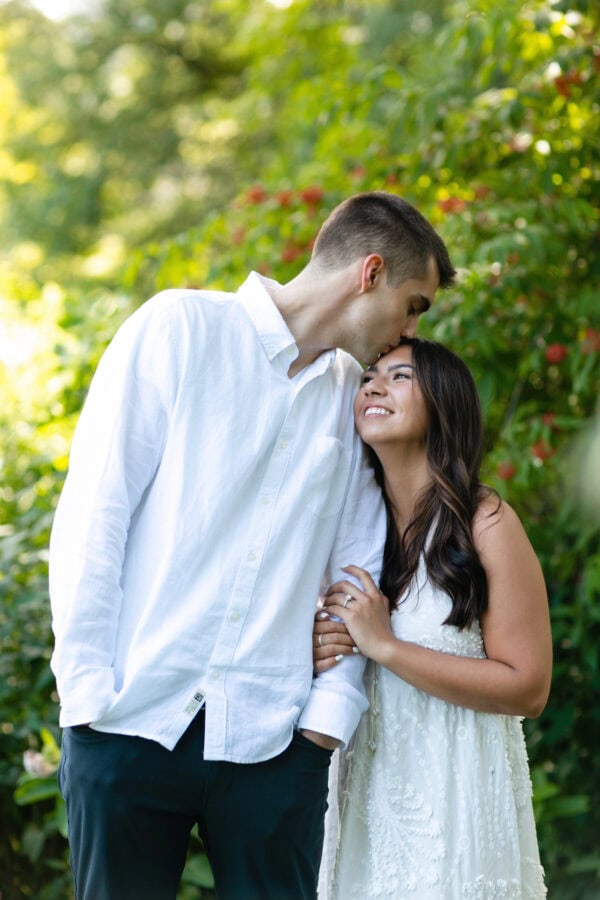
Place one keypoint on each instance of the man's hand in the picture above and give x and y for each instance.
(321, 740)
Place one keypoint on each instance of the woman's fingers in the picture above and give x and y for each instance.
(331, 642)
(330, 655)
(324, 624)
(334, 600)
(324, 641)
(341, 588)
(331, 638)
(349, 589)
(322, 665)
(343, 593)
(364, 577)
(340, 597)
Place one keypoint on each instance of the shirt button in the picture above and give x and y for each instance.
(251, 556)
(234, 616)
(283, 444)
(214, 674)
(266, 501)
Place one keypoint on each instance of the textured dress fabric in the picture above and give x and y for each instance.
(432, 801)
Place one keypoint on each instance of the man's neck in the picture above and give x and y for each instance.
(311, 305)
(300, 363)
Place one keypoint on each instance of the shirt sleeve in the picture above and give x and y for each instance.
(337, 698)
(115, 453)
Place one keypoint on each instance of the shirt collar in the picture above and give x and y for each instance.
(268, 321)
(270, 325)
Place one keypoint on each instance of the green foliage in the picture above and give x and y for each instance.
(483, 115)
(124, 137)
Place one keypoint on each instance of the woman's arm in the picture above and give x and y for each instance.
(515, 678)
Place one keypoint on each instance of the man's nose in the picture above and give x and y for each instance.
(410, 329)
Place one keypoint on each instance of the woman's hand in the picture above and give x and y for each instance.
(331, 642)
(365, 613)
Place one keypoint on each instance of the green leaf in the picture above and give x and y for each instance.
(35, 790)
(198, 872)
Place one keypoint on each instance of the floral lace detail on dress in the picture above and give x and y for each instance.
(482, 889)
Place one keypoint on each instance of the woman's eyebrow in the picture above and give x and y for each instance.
(391, 367)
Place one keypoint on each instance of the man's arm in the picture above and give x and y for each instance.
(337, 698)
(115, 453)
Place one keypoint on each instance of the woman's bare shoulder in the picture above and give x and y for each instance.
(495, 522)
(501, 540)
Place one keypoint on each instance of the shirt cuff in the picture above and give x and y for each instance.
(334, 714)
(86, 697)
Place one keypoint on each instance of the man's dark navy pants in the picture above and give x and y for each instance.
(131, 805)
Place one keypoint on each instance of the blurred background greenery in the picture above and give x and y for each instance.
(156, 144)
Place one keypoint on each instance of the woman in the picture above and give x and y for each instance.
(434, 794)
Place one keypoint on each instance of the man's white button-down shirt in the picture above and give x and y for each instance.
(209, 496)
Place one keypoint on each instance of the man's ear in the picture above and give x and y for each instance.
(372, 271)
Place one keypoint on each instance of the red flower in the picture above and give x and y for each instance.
(284, 197)
(563, 83)
(312, 195)
(481, 191)
(358, 172)
(548, 419)
(555, 353)
(391, 178)
(238, 235)
(542, 450)
(452, 205)
(506, 470)
(256, 194)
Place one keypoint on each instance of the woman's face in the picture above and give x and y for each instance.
(389, 407)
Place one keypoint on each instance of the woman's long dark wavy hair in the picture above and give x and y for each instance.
(454, 444)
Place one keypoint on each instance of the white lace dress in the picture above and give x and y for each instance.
(432, 801)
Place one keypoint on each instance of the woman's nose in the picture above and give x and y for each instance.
(374, 387)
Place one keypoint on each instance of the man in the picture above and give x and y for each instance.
(215, 481)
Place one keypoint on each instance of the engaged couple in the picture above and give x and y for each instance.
(237, 456)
